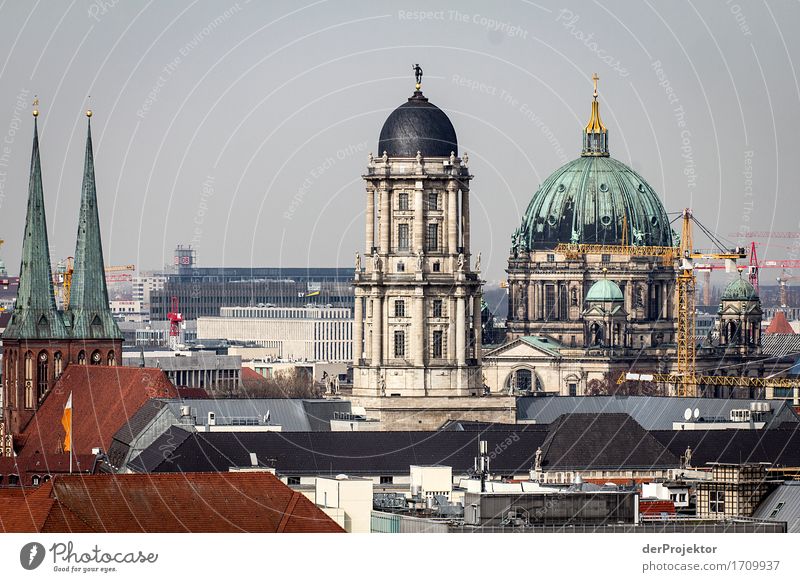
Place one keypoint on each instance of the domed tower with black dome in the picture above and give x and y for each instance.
(417, 296)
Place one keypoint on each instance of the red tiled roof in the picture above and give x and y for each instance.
(103, 398)
(191, 392)
(24, 510)
(779, 324)
(656, 507)
(190, 502)
(252, 379)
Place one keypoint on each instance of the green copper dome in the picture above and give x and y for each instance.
(594, 200)
(740, 290)
(604, 290)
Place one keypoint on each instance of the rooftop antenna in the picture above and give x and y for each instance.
(482, 463)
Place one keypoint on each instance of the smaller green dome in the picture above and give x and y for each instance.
(740, 290)
(604, 290)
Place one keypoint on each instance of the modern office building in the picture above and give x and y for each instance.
(295, 333)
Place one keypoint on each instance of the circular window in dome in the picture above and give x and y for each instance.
(551, 220)
(654, 220)
(603, 187)
(561, 188)
(641, 188)
(605, 220)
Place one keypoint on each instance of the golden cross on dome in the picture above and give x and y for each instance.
(595, 78)
(36, 106)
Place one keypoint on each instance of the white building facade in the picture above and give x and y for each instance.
(293, 333)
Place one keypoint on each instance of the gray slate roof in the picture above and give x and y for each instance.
(292, 414)
(789, 495)
(651, 412)
(780, 344)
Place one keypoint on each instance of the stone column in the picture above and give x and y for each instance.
(451, 329)
(531, 301)
(461, 336)
(419, 222)
(465, 220)
(358, 330)
(377, 331)
(540, 301)
(476, 322)
(418, 330)
(370, 221)
(452, 221)
(385, 222)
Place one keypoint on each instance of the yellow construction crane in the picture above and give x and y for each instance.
(685, 378)
(63, 280)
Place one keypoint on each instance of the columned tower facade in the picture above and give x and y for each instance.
(417, 293)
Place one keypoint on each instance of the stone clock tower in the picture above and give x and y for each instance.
(417, 330)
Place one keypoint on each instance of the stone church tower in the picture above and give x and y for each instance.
(40, 340)
(418, 292)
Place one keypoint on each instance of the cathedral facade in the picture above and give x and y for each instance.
(575, 317)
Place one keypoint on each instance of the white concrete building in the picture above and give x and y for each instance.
(347, 500)
(296, 333)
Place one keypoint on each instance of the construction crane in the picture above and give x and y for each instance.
(685, 378)
(782, 279)
(62, 278)
(763, 234)
(118, 274)
(175, 318)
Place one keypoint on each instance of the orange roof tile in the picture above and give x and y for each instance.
(191, 502)
(779, 324)
(103, 398)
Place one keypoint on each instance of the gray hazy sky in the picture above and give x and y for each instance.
(243, 127)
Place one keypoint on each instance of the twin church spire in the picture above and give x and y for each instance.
(36, 316)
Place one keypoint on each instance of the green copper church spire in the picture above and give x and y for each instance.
(90, 314)
(35, 315)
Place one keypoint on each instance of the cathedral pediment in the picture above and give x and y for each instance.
(528, 347)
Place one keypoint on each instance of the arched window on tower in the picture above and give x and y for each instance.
(111, 360)
(58, 364)
(29, 401)
(82, 358)
(42, 380)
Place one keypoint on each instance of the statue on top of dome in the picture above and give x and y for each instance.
(417, 74)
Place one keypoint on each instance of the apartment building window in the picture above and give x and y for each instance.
(433, 201)
(386, 479)
(402, 201)
(292, 480)
(716, 501)
(432, 242)
(402, 237)
(399, 308)
(399, 344)
(438, 341)
(437, 308)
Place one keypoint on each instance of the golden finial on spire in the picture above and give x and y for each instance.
(35, 106)
(595, 134)
(88, 102)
